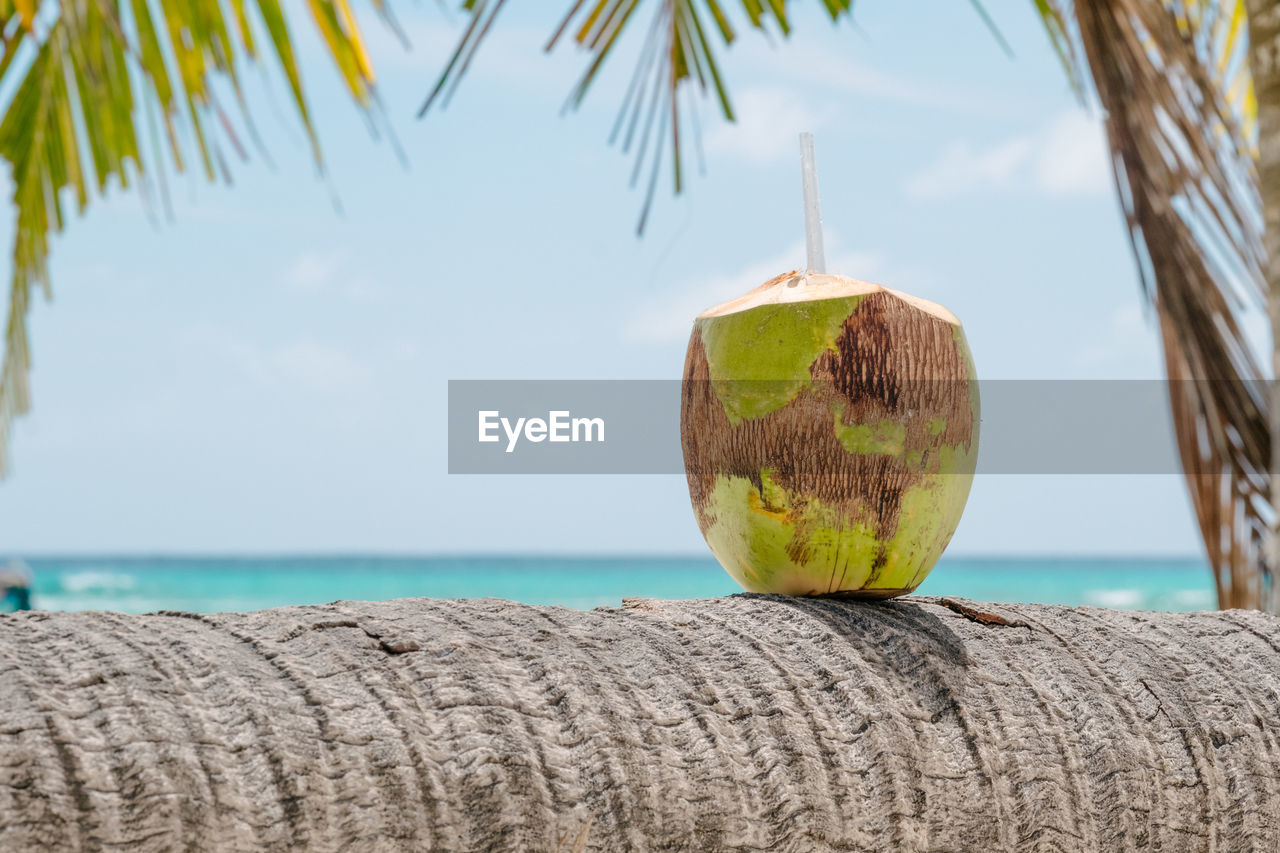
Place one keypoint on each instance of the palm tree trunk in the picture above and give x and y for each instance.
(749, 722)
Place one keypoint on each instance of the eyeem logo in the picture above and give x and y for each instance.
(558, 426)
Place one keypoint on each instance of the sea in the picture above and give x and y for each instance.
(139, 584)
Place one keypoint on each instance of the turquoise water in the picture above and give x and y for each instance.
(211, 584)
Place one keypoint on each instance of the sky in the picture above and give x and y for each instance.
(267, 372)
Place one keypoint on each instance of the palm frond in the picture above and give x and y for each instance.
(1172, 80)
(78, 70)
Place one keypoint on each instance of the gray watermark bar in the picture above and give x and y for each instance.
(633, 426)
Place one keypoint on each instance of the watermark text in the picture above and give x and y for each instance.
(559, 425)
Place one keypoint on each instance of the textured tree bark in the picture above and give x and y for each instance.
(741, 723)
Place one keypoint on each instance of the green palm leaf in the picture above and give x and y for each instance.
(71, 127)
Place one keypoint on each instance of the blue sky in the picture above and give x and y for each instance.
(267, 374)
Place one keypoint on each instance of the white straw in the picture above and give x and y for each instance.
(816, 262)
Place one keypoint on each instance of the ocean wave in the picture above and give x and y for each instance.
(54, 601)
(1200, 599)
(1120, 599)
(96, 580)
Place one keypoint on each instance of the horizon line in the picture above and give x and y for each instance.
(340, 554)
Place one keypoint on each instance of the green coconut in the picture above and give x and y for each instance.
(830, 433)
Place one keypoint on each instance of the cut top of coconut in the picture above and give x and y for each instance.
(796, 286)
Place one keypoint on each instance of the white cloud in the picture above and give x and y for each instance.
(1073, 157)
(962, 169)
(813, 88)
(326, 273)
(1126, 347)
(769, 120)
(668, 316)
(316, 366)
(305, 364)
(1066, 157)
(834, 69)
(313, 271)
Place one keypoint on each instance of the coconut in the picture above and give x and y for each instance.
(830, 433)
